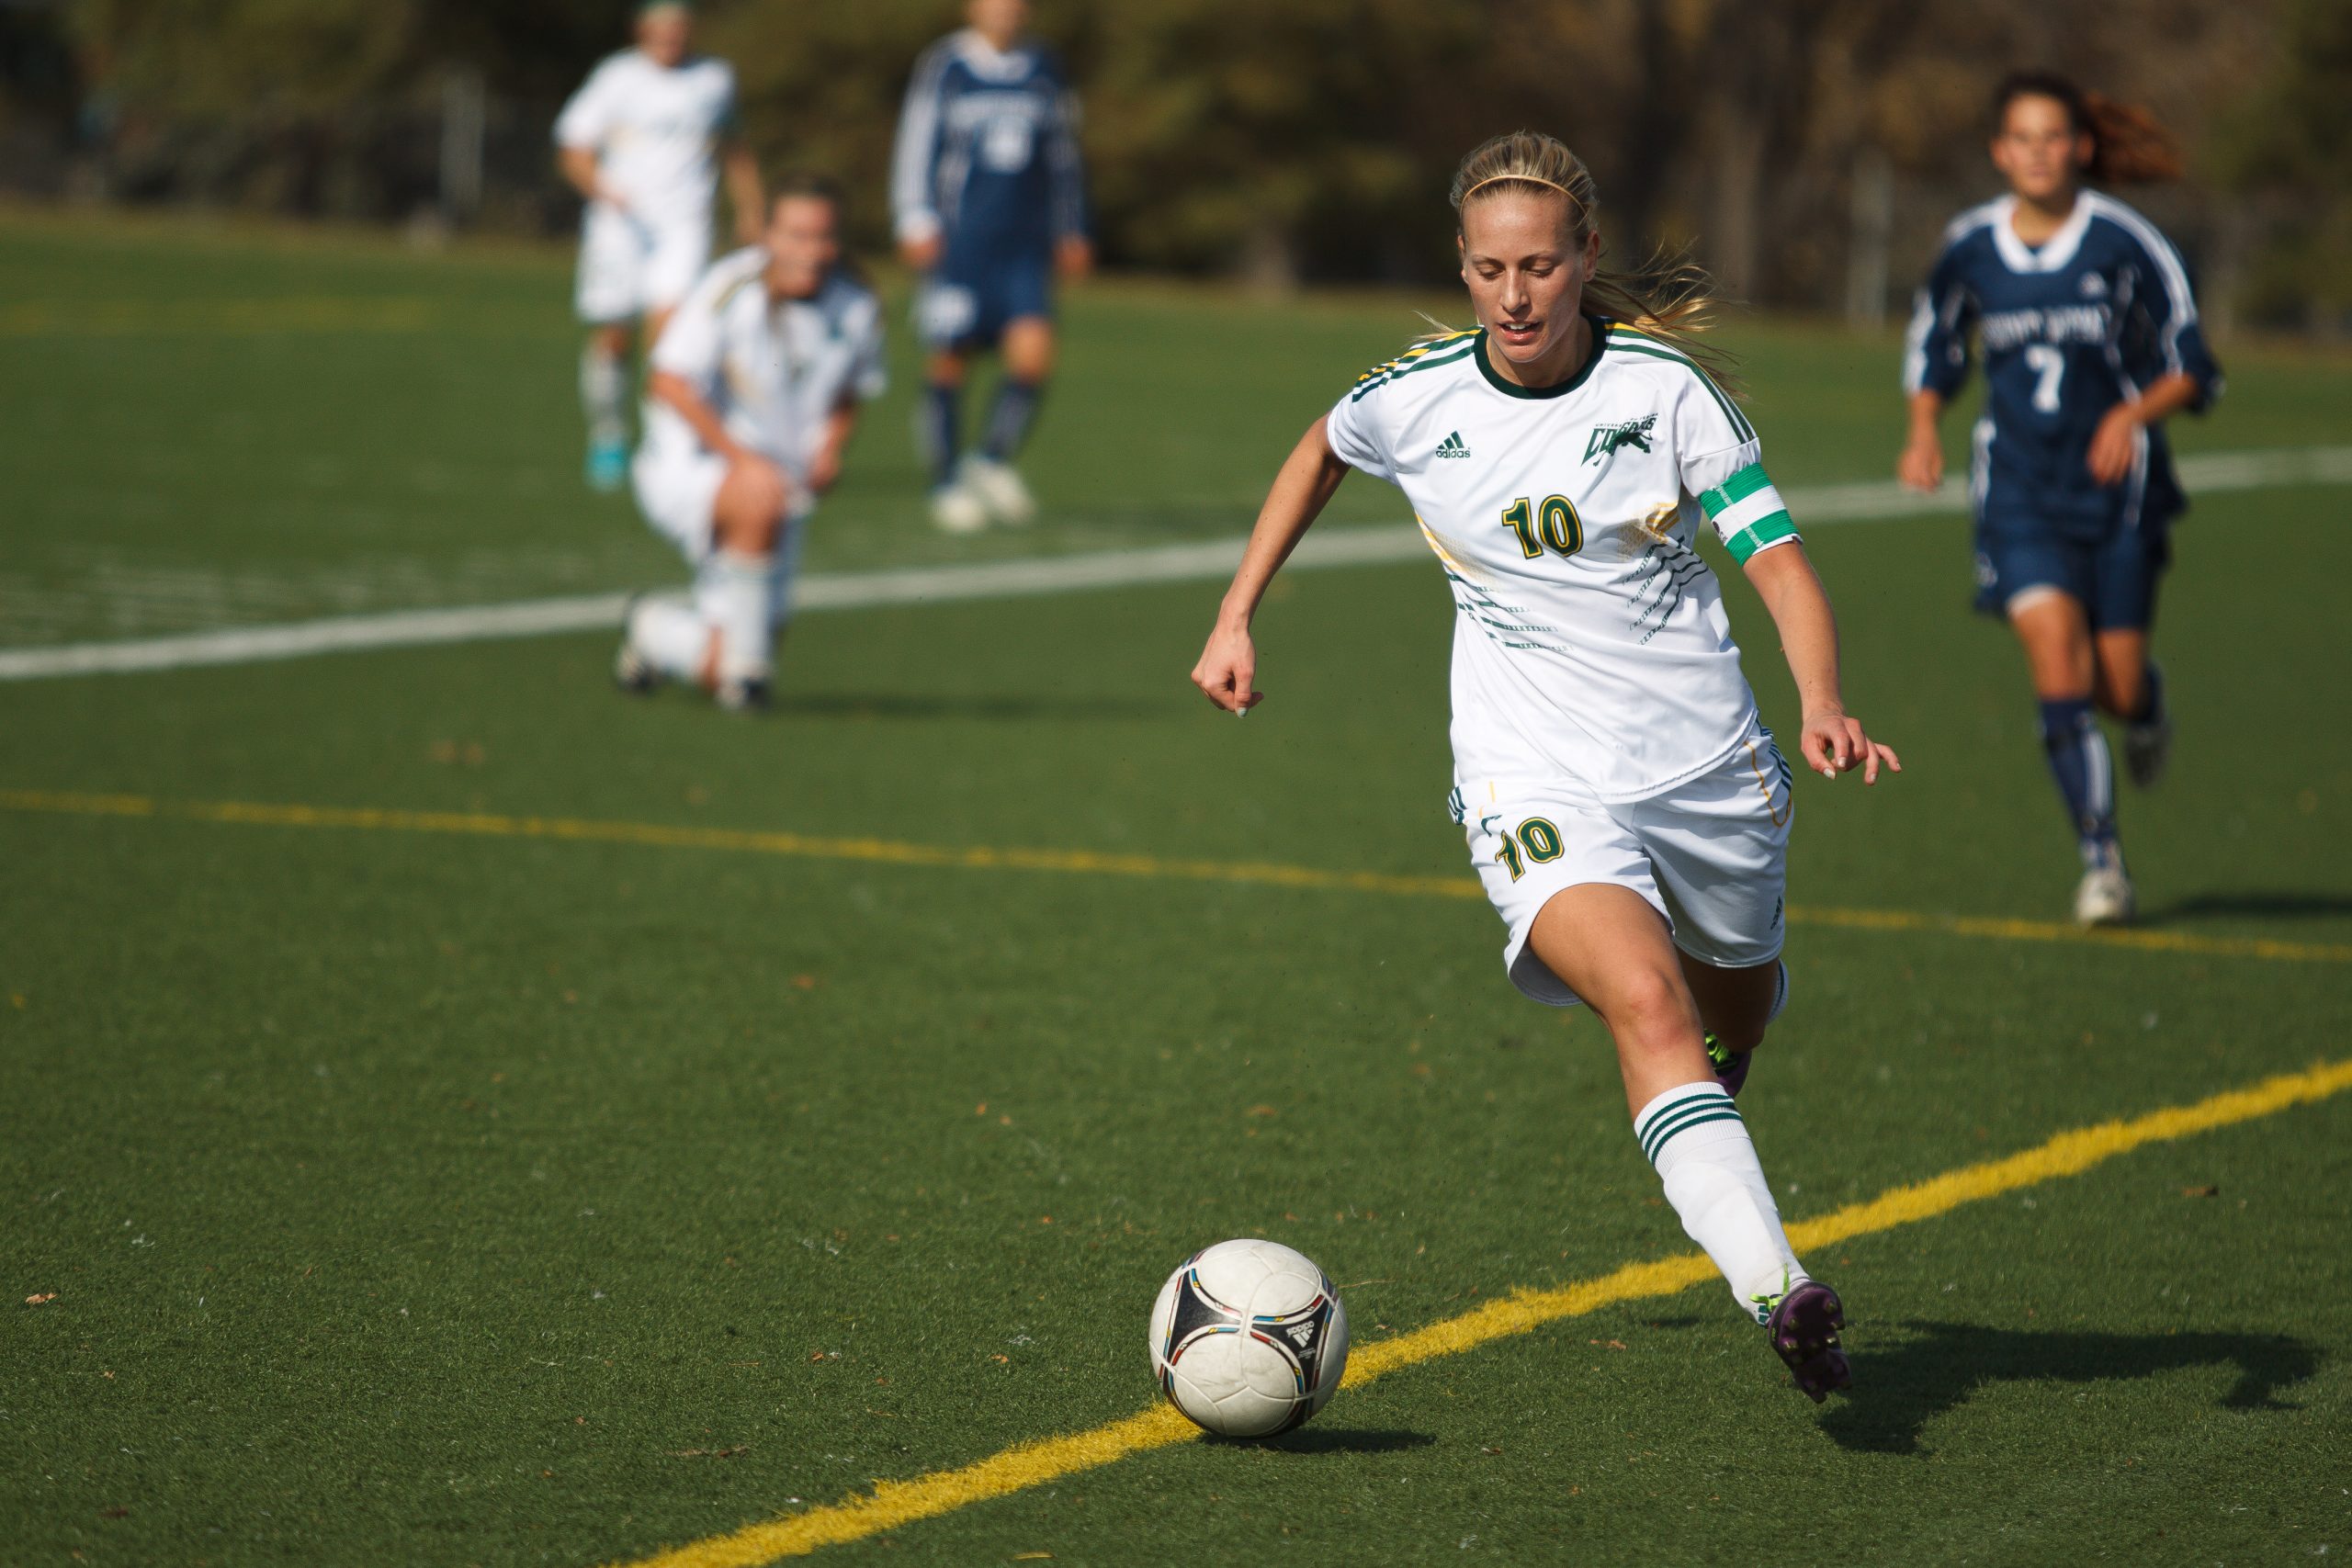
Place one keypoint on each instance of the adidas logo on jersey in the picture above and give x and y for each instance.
(2093, 286)
(1634, 433)
(1452, 447)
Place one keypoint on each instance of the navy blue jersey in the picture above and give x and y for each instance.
(988, 153)
(2068, 330)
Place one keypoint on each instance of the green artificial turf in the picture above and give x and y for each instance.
(426, 1198)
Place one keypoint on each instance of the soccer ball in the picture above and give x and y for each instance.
(1249, 1338)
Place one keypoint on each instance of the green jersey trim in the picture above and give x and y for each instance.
(1445, 351)
(1558, 389)
(1767, 530)
(1625, 340)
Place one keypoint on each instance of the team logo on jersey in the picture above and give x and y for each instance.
(2093, 286)
(1452, 447)
(1634, 433)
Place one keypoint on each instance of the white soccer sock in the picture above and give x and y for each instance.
(781, 576)
(671, 637)
(1693, 1134)
(604, 394)
(734, 595)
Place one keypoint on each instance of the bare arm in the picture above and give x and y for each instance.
(679, 393)
(579, 167)
(1832, 743)
(1921, 466)
(825, 467)
(1228, 664)
(743, 191)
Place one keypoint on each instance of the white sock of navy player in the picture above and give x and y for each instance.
(734, 596)
(604, 395)
(1694, 1137)
(671, 636)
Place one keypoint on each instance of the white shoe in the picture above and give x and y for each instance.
(743, 693)
(2104, 897)
(955, 509)
(1001, 491)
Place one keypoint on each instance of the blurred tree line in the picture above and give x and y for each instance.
(1796, 145)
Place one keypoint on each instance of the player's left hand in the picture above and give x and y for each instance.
(1073, 256)
(1834, 743)
(2115, 445)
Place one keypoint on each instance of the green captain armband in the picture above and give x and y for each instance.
(1748, 512)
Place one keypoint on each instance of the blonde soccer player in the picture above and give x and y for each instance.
(1624, 805)
(753, 395)
(644, 141)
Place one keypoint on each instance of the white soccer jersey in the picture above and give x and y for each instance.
(1590, 643)
(773, 370)
(655, 131)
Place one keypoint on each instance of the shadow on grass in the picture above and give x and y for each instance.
(1343, 1440)
(1899, 1389)
(892, 705)
(2274, 905)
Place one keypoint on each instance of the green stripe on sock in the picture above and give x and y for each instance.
(1682, 1113)
(1724, 1114)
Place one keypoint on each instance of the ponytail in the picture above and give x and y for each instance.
(2128, 146)
(1670, 297)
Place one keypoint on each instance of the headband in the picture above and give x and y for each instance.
(1531, 179)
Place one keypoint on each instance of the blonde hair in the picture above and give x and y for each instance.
(1669, 297)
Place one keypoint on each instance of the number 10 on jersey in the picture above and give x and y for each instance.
(1554, 523)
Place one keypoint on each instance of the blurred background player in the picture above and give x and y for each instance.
(641, 140)
(989, 200)
(2088, 324)
(752, 395)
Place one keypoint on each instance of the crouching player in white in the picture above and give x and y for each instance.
(1626, 808)
(753, 395)
(642, 141)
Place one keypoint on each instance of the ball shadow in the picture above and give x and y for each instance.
(1338, 1441)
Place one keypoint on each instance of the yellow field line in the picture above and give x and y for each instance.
(889, 852)
(894, 1503)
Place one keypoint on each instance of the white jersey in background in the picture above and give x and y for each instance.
(773, 370)
(1591, 644)
(655, 131)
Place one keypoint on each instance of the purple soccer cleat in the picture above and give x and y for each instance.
(1731, 1066)
(1803, 1326)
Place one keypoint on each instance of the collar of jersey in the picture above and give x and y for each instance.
(1561, 390)
(2053, 253)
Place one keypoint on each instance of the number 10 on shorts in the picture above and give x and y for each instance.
(1537, 840)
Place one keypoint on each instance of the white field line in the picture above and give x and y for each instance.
(1207, 560)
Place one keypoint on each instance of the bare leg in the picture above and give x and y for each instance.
(1612, 949)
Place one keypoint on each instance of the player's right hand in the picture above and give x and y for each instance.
(1921, 466)
(921, 254)
(1228, 666)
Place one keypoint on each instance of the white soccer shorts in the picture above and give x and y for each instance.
(1711, 855)
(678, 492)
(629, 267)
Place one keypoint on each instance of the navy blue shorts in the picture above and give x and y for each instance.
(2114, 578)
(969, 305)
